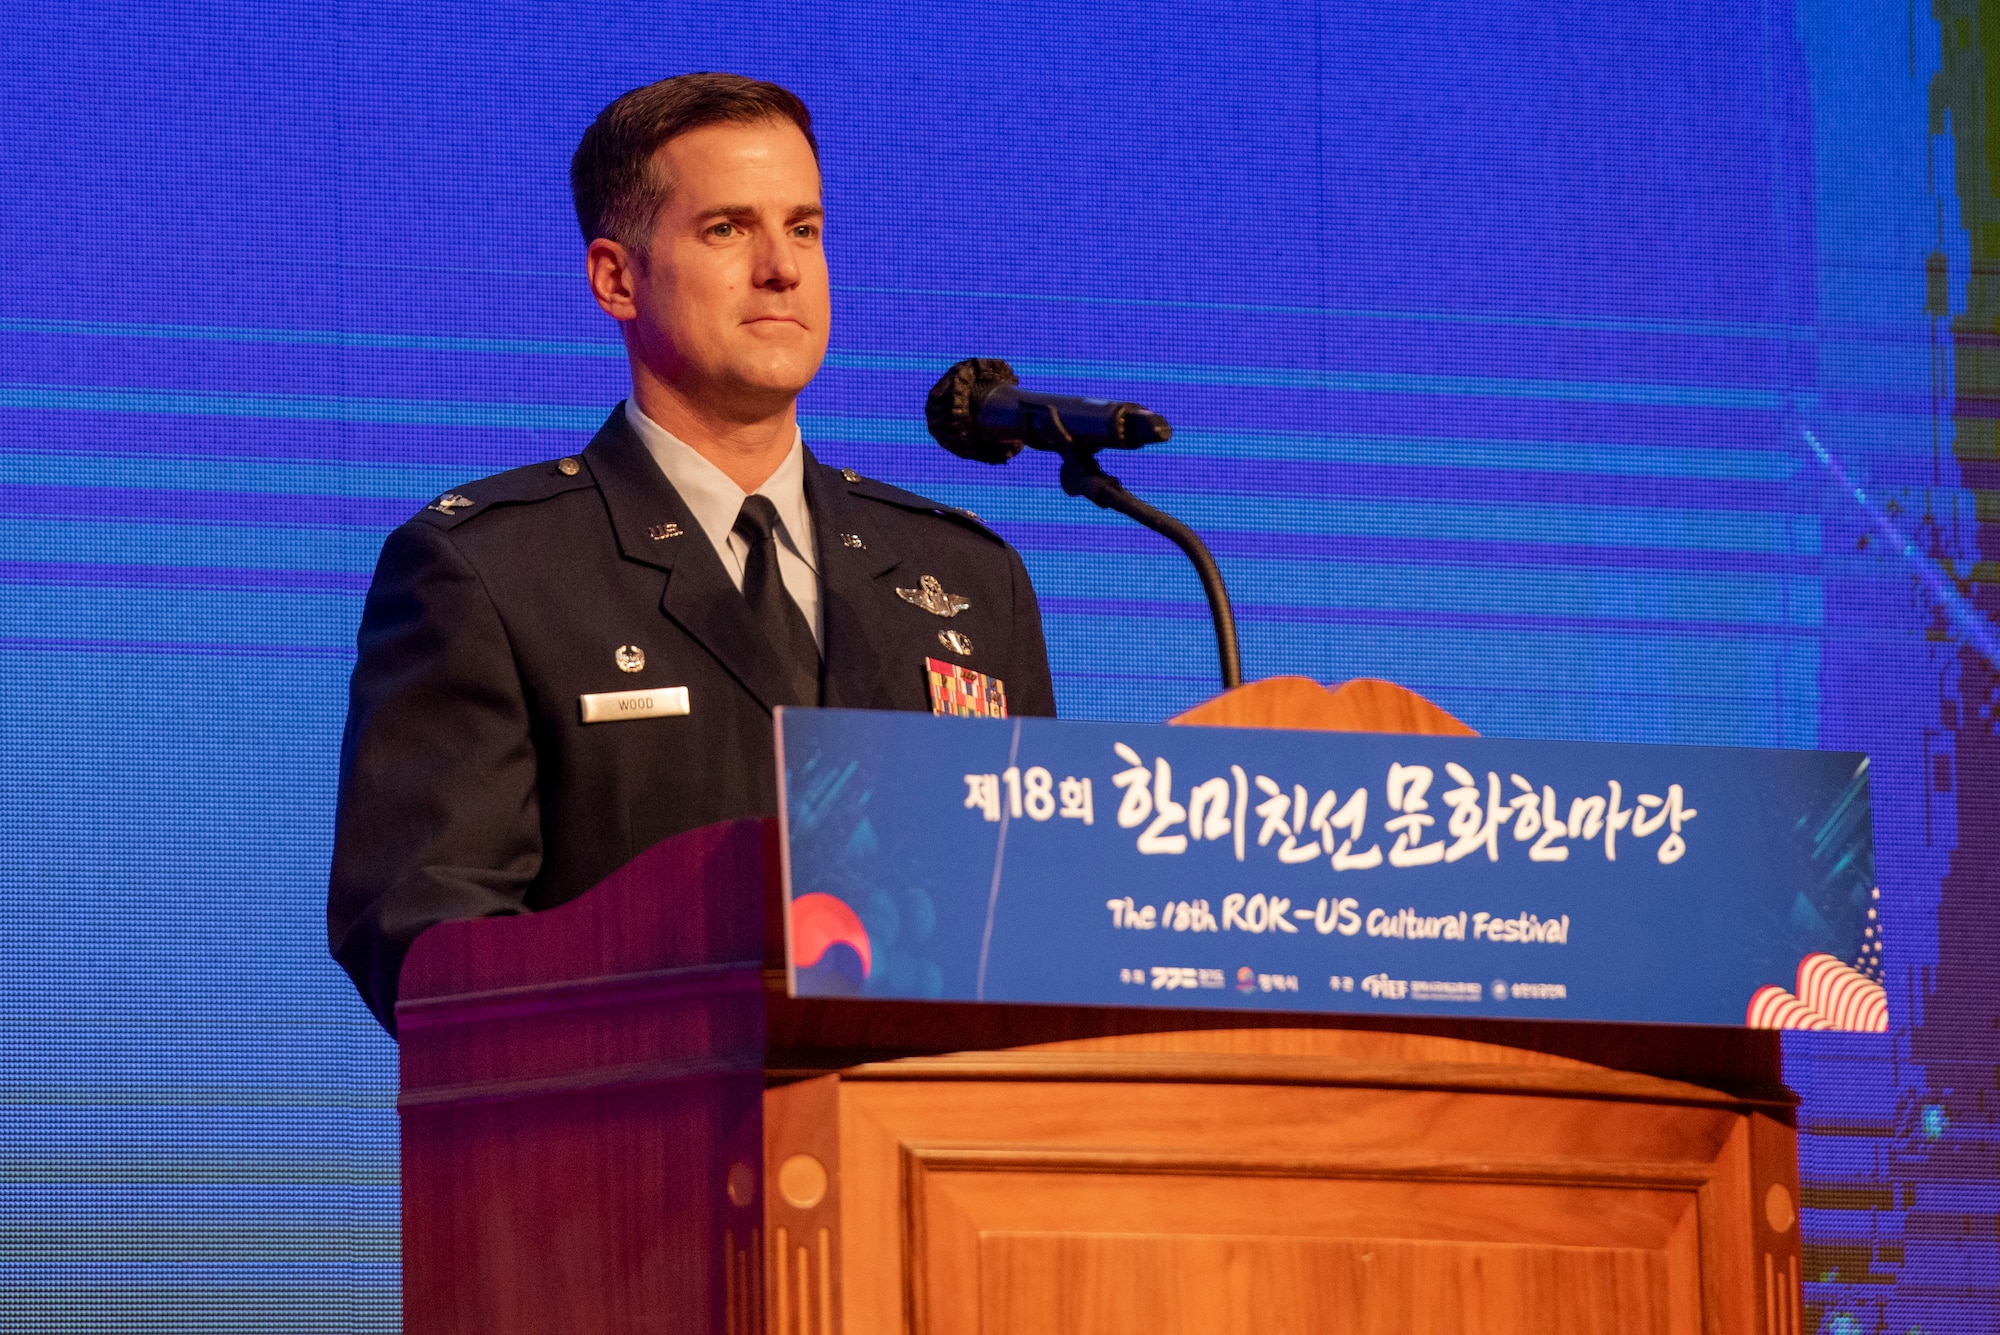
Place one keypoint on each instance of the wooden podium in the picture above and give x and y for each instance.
(615, 1120)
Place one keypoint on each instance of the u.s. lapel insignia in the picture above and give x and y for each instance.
(450, 501)
(853, 540)
(933, 599)
(661, 532)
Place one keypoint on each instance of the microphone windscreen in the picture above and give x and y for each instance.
(951, 410)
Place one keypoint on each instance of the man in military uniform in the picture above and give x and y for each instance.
(566, 663)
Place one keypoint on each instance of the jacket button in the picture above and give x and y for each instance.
(568, 467)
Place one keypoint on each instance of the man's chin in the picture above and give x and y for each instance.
(782, 376)
(765, 389)
(776, 357)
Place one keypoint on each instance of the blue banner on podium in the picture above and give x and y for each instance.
(1036, 860)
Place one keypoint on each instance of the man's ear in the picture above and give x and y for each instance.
(614, 278)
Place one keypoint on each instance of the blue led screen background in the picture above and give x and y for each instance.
(1600, 371)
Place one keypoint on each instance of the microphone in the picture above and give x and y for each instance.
(979, 411)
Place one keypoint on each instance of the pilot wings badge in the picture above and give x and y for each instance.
(933, 599)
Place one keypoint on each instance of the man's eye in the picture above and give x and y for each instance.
(805, 231)
(723, 229)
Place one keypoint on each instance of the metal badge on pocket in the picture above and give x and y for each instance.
(930, 595)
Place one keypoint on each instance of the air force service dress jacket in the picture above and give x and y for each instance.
(469, 785)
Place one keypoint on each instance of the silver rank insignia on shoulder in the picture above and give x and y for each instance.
(957, 641)
(661, 532)
(930, 596)
(450, 501)
(631, 658)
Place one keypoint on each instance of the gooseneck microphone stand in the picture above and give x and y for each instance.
(1081, 476)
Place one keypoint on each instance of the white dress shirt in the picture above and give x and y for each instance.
(716, 501)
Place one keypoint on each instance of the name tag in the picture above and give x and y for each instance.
(611, 706)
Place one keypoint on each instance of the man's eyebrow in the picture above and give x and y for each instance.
(798, 214)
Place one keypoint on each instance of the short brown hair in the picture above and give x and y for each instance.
(617, 191)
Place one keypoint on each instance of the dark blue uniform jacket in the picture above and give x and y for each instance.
(469, 785)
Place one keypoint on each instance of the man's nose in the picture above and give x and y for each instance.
(777, 266)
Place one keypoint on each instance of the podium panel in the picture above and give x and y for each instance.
(1284, 1180)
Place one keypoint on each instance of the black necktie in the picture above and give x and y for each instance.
(777, 613)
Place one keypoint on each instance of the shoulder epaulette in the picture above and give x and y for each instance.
(868, 487)
(516, 486)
